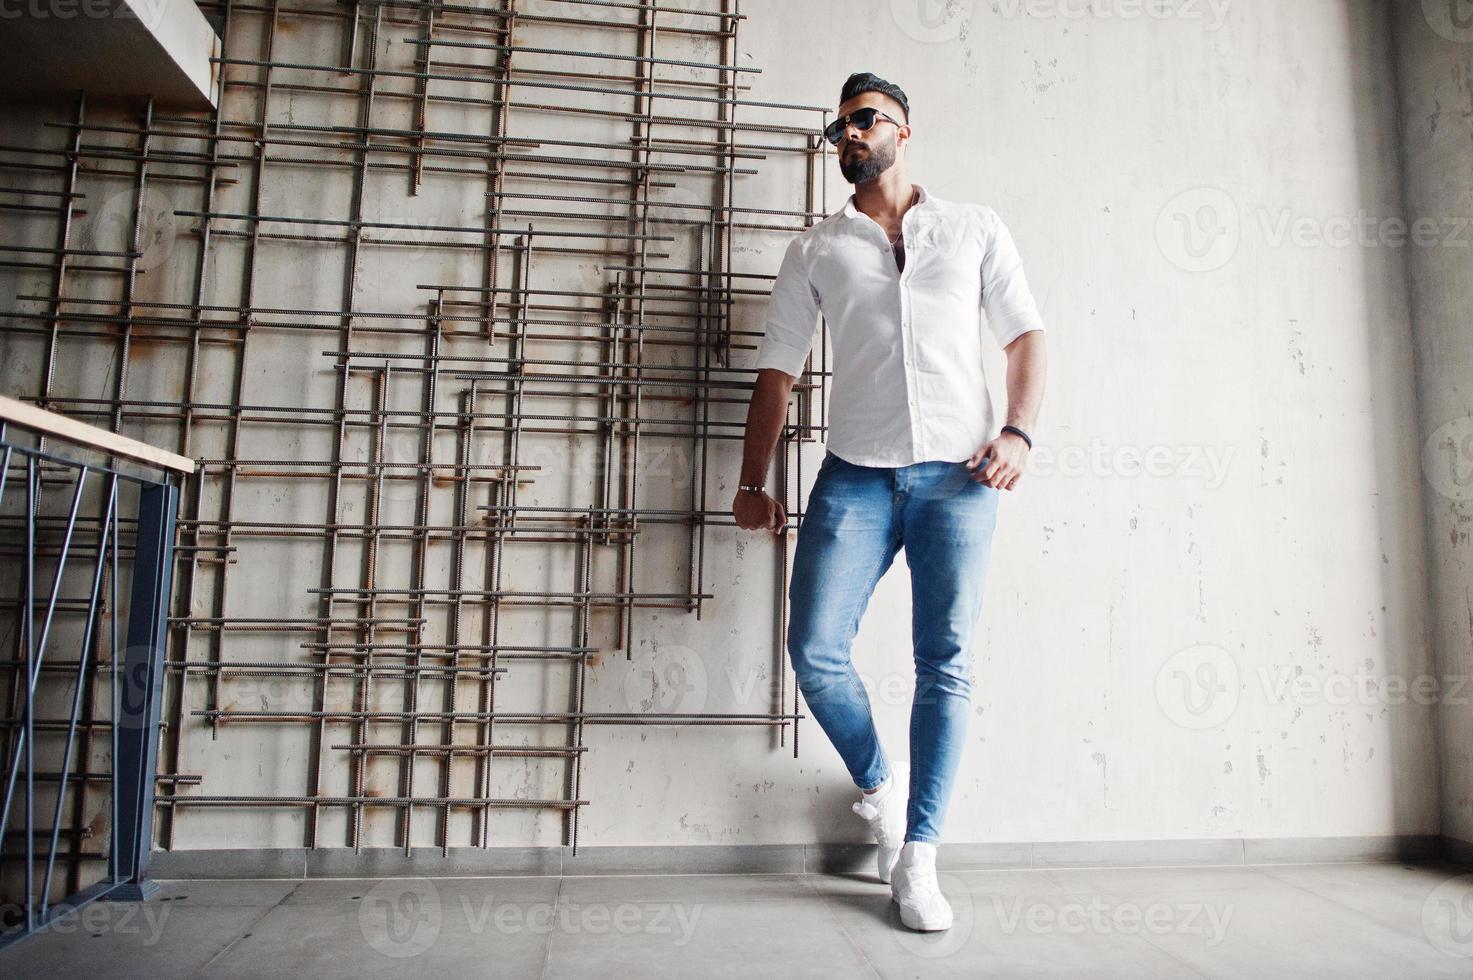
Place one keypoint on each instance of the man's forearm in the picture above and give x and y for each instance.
(1026, 371)
(765, 417)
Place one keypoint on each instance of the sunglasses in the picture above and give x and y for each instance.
(863, 120)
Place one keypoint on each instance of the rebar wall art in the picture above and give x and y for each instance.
(454, 305)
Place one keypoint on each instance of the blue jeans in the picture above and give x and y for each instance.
(857, 518)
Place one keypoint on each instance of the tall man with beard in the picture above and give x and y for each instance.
(913, 460)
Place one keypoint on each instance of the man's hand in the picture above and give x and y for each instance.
(755, 511)
(1005, 467)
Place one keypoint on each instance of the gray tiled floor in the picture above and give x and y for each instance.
(1383, 921)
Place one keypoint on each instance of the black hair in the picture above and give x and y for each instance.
(863, 81)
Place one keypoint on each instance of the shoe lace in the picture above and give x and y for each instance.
(922, 881)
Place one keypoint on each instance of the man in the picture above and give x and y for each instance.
(912, 460)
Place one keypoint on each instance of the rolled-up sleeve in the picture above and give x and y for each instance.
(1011, 310)
(792, 316)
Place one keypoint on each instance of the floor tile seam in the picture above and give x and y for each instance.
(250, 927)
(848, 938)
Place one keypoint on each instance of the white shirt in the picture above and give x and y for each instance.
(907, 346)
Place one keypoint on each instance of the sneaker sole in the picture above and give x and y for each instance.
(913, 923)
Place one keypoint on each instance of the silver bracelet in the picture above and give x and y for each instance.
(754, 488)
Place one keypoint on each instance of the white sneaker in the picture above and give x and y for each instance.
(913, 887)
(884, 811)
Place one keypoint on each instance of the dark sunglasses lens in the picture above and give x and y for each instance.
(862, 119)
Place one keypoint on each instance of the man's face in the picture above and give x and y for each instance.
(864, 156)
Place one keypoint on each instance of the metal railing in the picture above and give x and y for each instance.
(51, 753)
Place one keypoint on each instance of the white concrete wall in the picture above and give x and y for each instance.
(1435, 62)
(1267, 381)
(1206, 645)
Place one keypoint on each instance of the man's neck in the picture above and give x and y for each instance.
(887, 195)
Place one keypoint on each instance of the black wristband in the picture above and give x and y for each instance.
(1019, 433)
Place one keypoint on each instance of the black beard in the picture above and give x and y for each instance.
(862, 170)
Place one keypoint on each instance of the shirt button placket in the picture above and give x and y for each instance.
(907, 340)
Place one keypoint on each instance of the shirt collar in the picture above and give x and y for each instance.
(850, 211)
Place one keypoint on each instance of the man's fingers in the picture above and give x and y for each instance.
(774, 518)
